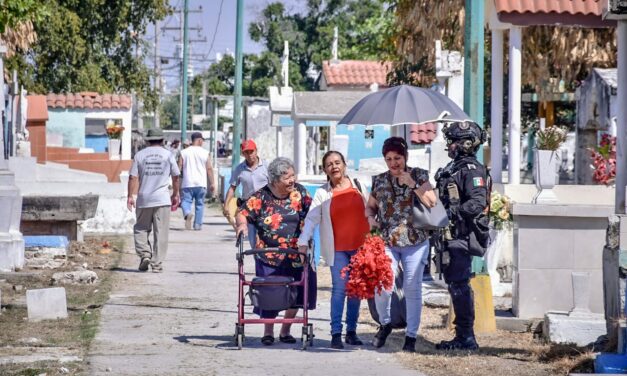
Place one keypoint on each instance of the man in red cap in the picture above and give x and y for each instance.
(252, 175)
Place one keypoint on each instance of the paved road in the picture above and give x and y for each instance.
(181, 322)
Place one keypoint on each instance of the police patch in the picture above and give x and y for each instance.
(478, 182)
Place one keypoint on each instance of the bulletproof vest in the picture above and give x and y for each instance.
(448, 184)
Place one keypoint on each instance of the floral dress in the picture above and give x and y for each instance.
(395, 208)
(278, 222)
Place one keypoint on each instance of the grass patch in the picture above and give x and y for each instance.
(70, 336)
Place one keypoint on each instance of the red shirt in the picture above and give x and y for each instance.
(348, 218)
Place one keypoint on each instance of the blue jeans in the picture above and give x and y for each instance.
(413, 259)
(196, 194)
(338, 295)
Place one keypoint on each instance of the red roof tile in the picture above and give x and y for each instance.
(89, 100)
(552, 12)
(356, 72)
(422, 133)
(547, 6)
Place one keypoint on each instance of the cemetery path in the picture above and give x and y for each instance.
(181, 322)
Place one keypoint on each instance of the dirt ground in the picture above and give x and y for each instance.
(502, 353)
(54, 339)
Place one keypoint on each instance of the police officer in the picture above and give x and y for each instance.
(463, 186)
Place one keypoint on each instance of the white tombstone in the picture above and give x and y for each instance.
(579, 326)
(46, 304)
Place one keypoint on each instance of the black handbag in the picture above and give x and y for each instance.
(426, 218)
(273, 293)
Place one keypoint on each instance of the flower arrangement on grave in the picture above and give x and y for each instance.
(500, 215)
(604, 160)
(114, 131)
(370, 270)
(550, 138)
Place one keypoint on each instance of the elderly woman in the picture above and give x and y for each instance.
(278, 211)
(390, 208)
(339, 208)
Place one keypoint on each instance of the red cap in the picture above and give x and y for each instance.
(248, 145)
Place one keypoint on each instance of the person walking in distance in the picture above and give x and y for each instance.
(252, 175)
(195, 166)
(148, 192)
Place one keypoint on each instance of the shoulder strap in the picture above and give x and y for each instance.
(358, 185)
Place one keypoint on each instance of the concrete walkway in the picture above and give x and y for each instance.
(181, 322)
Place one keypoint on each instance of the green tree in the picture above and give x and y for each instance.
(364, 26)
(91, 45)
(259, 71)
(16, 12)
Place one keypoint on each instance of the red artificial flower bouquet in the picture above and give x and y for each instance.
(370, 270)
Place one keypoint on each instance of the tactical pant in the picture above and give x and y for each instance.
(457, 275)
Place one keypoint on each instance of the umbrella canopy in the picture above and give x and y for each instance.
(404, 104)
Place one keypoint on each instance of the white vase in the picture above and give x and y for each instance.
(114, 148)
(545, 175)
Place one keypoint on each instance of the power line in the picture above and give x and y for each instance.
(215, 31)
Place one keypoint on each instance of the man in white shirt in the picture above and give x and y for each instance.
(195, 165)
(148, 192)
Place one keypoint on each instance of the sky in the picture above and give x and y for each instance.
(217, 25)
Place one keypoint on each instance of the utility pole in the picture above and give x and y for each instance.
(203, 102)
(181, 29)
(237, 96)
(214, 133)
(157, 119)
(3, 113)
(473, 78)
(473, 62)
(184, 69)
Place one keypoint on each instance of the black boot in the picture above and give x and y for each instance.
(352, 339)
(382, 334)
(410, 344)
(459, 343)
(336, 341)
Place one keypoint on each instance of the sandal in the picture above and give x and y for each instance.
(287, 339)
(267, 340)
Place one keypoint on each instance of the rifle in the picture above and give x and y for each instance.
(441, 257)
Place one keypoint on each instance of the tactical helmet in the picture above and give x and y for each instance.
(469, 132)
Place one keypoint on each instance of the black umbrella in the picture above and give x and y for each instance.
(404, 104)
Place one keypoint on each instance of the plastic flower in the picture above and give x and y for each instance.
(496, 204)
(114, 131)
(370, 270)
(604, 160)
(499, 210)
(550, 138)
